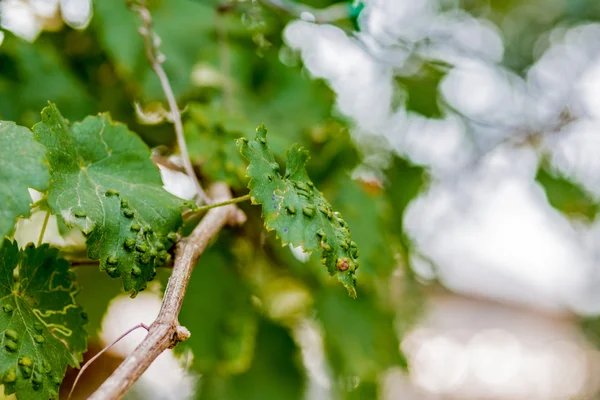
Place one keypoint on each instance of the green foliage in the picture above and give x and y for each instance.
(274, 375)
(23, 165)
(422, 91)
(360, 338)
(104, 183)
(296, 210)
(567, 196)
(184, 27)
(210, 135)
(217, 309)
(37, 73)
(42, 326)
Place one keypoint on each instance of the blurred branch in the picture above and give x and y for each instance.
(155, 59)
(332, 13)
(165, 332)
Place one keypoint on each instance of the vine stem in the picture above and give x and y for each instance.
(223, 203)
(91, 360)
(165, 332)
(155, 59)
(43, 231)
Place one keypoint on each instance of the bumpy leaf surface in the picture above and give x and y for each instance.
(104, 183)
(23, 165)
(296, 210)
(41, 325)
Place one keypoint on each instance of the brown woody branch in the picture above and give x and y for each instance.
(165, 332)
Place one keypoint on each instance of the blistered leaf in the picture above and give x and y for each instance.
(23, 165)
(41, 325)
(104, 183)
(296, 210)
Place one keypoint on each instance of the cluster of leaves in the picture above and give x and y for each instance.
(244, 306)
(98, 178)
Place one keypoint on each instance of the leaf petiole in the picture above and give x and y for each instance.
(43, 231)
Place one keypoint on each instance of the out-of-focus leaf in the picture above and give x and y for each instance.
(404, 182)
(210, 135)
(38, 73)
(566, 196)
(96, 292)
(359, 334)
(218, 312)
(296, 210)
(275, 373)
(422, 91)
(184, 28)
(365, 213)
(364, 391)
(104, 183)
(42, 326)
(23, 165)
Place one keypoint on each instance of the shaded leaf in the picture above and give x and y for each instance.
(275, 373)
(296, 210)
(41, 325)
(104, 183)
(566, 196)
(218, 312)
(23, 165)
(210, 135)
(359, 334)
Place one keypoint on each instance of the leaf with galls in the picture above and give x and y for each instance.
(104, 183)
(296, 210)
(41, 325)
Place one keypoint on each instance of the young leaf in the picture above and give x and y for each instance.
(41, 325)
(104, 183)
(296, 210)
(23, 165)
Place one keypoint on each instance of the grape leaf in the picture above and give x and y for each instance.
(23, 165)
(371, 348)
(210, 135)
(104, 183)
(41, 325)
(275, 374)
(296, 210)
(218, 311)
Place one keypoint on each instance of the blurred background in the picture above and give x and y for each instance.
(460, 139)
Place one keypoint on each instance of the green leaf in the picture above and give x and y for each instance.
(218, 312)
(422, 90)
(104, 183)
(373, 345)
(275, 373)
(296, 210)
(567, 196)
(23, 165)
(210, 135)
(41, 325)
(365, 212)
